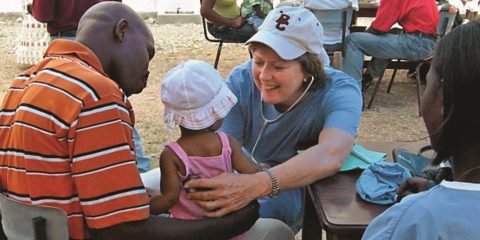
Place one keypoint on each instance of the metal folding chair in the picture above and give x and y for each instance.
(209, 37)
(444, 26)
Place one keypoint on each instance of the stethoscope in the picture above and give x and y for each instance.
(267, 121)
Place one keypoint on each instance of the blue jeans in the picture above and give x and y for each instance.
(286, 207)
(143, 161)
(382, 48)
(255, 21)
(240, 34)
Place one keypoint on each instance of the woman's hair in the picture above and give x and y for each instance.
(457, 62)
(311, 65)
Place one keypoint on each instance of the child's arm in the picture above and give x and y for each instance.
(258, 11)
(241, 162)
(170, 184)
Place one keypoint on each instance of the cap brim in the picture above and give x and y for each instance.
(287, 50)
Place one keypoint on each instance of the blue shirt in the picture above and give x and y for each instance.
(337, 105)
(450, 210)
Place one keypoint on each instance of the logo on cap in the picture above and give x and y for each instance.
(282, 20)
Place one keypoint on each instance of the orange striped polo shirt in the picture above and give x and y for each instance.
(66, 141)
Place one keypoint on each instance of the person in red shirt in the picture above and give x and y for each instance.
(418, 18)
(61, 16)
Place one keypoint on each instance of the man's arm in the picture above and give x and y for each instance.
(156, 227)
(206, 10)
(387, 15)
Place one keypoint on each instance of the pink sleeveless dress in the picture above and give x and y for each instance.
(204, 167)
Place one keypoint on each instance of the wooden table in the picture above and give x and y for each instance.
(364, 10)
(334, 205)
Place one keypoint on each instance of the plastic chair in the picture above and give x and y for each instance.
(444, 26)
(335, 20)
(24, 221)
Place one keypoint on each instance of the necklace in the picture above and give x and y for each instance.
(267, 121)
(468, 171)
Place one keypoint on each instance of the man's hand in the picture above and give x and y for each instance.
(413, 185)
(374, 31)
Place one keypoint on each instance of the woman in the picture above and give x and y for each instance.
(287, 100)
(449, 210)
(225, 20)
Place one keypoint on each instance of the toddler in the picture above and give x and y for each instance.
(196, 99)
(254, 11)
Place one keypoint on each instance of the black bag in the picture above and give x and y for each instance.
(419, 164)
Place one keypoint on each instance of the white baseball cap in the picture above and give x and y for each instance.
(195, 95)
(291, 31)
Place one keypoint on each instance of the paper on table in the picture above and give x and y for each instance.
(361, 157)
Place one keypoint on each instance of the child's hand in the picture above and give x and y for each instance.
(191, 190)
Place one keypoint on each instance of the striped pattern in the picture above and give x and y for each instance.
(66, 141)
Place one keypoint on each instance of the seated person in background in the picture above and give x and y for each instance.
(201, 150)
(61, 16)
(449, 210)
(225, 20)
(472, 9)
(467, 10)
(254, 11)
(419, 19)
(66, 135)
(332, 40)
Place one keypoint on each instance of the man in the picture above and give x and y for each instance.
(61, 17)
(62, 21)
(419, 19)
(66, 135)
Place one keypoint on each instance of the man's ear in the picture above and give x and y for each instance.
(121, 29)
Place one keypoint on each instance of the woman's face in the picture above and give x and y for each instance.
(280, 81)
(432, 104)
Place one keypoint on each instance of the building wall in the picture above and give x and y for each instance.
(158, 6)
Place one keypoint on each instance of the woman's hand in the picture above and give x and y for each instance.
(229, 192)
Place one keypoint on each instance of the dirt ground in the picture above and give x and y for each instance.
(393, 117)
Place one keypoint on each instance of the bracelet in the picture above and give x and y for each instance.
(275, 186)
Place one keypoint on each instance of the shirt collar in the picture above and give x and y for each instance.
(77, 50)
(461, 185)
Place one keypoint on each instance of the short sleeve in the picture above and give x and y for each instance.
(343, 105)
(239, 81)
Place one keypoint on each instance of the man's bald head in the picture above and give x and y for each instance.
(121, 41)
(108, 13)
